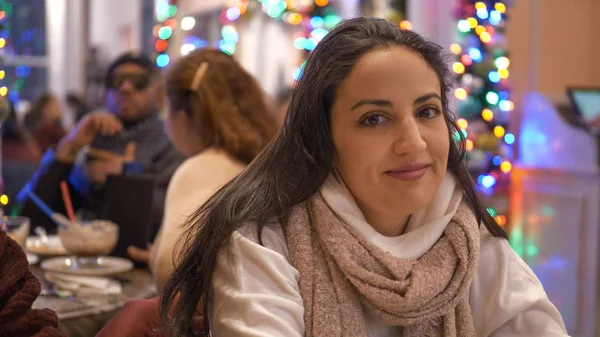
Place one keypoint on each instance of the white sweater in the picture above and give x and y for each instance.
(194, 182)
(256, 291)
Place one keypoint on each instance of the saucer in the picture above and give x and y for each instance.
(107, 265)
(53, 247)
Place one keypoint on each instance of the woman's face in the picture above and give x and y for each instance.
(390, 135)
(178, 126)
(51, 111)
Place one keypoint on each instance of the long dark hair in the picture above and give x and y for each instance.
(296, 163)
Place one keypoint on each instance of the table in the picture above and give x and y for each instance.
(85, 318)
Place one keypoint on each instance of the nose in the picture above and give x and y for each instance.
(126, 86)
(409, 138)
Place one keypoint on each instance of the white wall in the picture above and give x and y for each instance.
(66, 48)
(433, 19)
(115, 26)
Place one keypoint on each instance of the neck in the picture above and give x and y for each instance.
(385, 225)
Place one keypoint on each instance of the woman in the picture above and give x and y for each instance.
(44, 121)
(360, 218)
(219, 119)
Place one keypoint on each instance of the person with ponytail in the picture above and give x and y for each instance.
(218, 118)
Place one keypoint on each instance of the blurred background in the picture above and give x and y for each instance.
(527, 96)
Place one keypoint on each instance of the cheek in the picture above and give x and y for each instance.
(358, 159)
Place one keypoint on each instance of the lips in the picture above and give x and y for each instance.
(409, 172)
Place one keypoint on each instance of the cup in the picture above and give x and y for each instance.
(89, 240)
(16, 227)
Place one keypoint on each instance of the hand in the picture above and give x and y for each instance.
(141, 318)
(137, 318)
(138, 254)
(96, 170)
(97, 123)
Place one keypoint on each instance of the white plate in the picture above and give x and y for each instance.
(32, 259)
(108, 265)
(53, 247)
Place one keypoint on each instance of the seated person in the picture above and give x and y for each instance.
(219, 119)
(18, 289)
(133, 98)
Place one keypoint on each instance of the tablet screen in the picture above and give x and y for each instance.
(586, 102)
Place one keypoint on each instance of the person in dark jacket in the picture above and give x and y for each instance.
(18, 290)
(96, 147)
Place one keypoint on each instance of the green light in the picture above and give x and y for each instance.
(491, 211)
(532, 250)
(492, 98)
(172, 10)
(332, 20)
(165, 32)
(464, 26)
(516, 240)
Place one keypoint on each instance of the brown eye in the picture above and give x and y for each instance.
(429, 112)
(374, 120)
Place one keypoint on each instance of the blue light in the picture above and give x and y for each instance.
(509, 138)
(319, 33)
(503, 94)
(13, 96)
(299, 43)
(230, 34)
(497, 160)
(317, 22)
(194, 40)
(495, 17)
(297, 74)
(309, 44)
(488, 181)
(22, 71)
(227, 47)
(475, 54)
(482, 13)
(505, 105)
(162, 60)
(494, 76)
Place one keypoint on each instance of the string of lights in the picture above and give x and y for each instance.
(163, 30)
(315, 19)
(5, 12)
(483, 94)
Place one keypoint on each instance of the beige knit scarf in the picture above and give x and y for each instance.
(341, 274)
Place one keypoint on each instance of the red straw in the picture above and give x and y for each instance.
(67, 200)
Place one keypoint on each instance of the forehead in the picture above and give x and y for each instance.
(391, 73)
(130, 67)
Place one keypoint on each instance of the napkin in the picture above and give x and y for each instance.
(84, 285)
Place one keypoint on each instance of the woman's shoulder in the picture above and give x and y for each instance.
(209, 166)
(272, 236)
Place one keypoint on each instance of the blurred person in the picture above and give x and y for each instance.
(77, 106)
(18, 290)
(44, 121)
(360, 217)
(20, 154)
(133, 97)
(17, 143)
(219, 119)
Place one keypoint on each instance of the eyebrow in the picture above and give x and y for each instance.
(386, 103)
